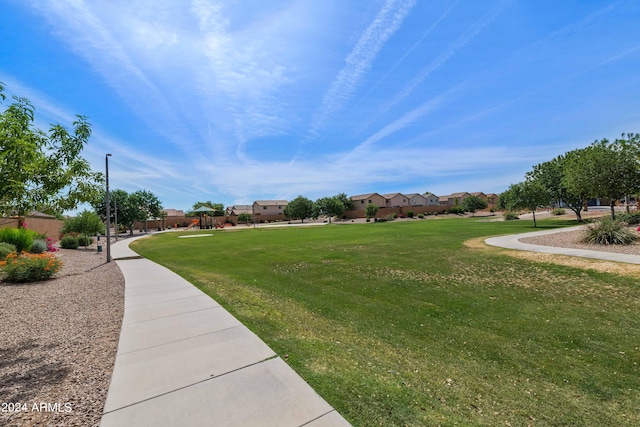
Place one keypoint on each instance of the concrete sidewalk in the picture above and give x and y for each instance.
(183, 360)
(513, 242)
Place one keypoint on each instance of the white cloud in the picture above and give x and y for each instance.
(359, 60)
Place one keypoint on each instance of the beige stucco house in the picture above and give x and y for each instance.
(395, 200)
(431, 199)
(417, 199)
(361, 201)
(269, 207)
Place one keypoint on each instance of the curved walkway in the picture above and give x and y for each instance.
(513, 242)
(183, 360)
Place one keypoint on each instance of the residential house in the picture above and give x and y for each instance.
(396, 200)
(236, 210)
(416, 199)
(269, 207)
(454, 199)
(174, 212)
(431, 199)
(361, 201)
(492, 199)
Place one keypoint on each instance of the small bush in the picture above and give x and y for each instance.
(631, 218)
(69, 242)
(368, 219)
(458, 210)
(608, 232)
(84, 240)
(420, 215)
(21, 238)
(31, 267)
(410, 214)
(558, 211)
(39, 246)
(6, 249)
(510, 216)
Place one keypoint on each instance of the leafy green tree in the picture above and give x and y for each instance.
(299, 208)
(148, 204)
(473, 203)
(525, 195)
(40, 170)
(132, 208)
(346, 201)
(244, 217)
(604, 170)
(218, 208)
(329, 206)
(552, 176)
(87, 222)
(371, 210)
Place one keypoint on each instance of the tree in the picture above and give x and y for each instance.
(147, 203)
(86, 222)
(218, 208)
(604, 170)
(329, 206)
(346, 201)
(299, 208)
(132, 208)
(39, 170)
(244, 217)
(525, 195)
(371, 210)
(473, 203)
(552, 175)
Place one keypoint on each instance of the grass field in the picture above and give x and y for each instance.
(401, 323)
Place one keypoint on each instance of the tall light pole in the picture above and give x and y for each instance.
(106, 160)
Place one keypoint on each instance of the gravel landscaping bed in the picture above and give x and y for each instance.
(58, 341)
(571, 239)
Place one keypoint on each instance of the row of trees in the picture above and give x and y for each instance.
(302, 208)
(129, 208)
(605, 169)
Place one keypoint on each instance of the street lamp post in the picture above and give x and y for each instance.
(106, 159)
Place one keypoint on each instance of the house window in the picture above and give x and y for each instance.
(264, 207)
(370, 201)
(279, 207)
(362, 202)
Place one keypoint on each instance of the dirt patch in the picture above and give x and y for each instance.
(601, 266)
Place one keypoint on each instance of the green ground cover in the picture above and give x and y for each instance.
(400, 323)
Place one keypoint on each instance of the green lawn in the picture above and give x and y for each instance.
(400, 323)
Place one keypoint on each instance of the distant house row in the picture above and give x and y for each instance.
(396, 200)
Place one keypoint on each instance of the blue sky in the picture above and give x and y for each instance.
(239, 100)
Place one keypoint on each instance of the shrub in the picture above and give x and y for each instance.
(38, 246)
(410, 214)
(510, 216)
(21, 238)
(631, 218)
(86, 222)
(420, 215)
(84, 240)
(69, 242)
(456, 210)
(395, 215)
(608, 232)
(558, 211)
(6, 249)
(31, 267)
